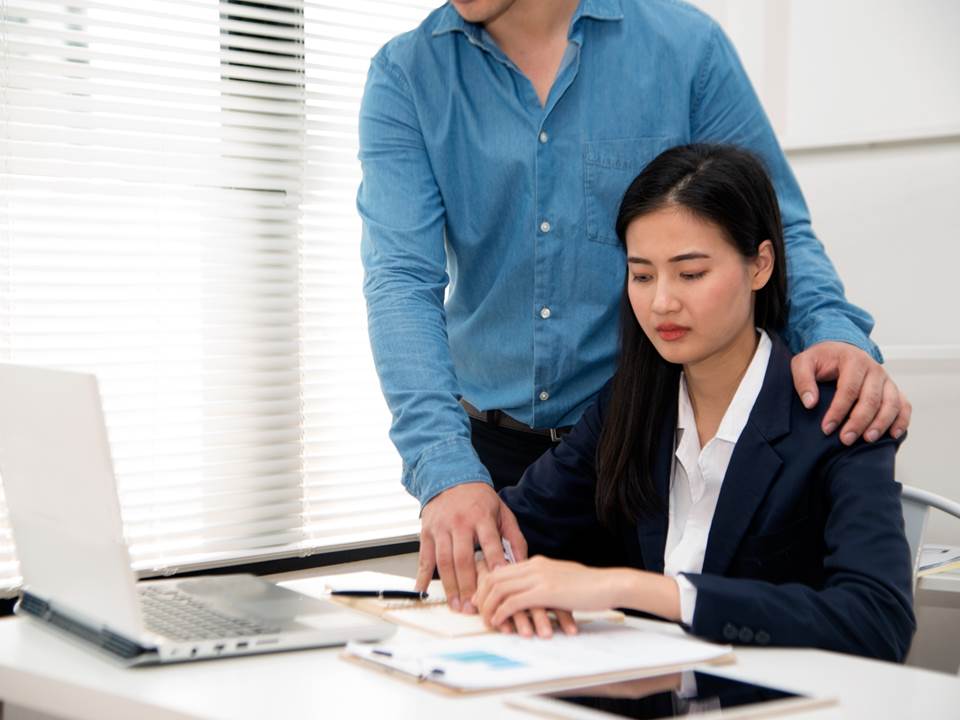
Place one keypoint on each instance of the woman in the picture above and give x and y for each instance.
(698, 488)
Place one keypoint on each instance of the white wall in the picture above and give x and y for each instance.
(865, 96)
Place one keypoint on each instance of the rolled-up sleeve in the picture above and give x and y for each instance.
(404, 260)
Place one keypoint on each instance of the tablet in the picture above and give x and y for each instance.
(692, 692)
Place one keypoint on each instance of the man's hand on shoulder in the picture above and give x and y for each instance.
(450, 524)
(867, 401)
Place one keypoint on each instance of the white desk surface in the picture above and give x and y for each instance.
(941, 582)
(41, 671)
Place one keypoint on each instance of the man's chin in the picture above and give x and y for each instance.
(481, 11)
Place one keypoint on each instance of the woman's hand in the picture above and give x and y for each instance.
(509, 591)
(531, 621)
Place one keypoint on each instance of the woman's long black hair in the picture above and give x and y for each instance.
(729, 187)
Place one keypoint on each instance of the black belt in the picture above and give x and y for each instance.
(498, 418)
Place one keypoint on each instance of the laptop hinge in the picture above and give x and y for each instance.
(115, 644)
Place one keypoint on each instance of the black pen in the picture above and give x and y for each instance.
(383, 594)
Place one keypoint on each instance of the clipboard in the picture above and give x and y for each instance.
(455, 667)
(546, 686)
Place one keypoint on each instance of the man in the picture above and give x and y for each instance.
(496, 141)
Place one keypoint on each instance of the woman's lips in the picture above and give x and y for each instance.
(672, 332)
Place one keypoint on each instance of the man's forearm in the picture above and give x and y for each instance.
(429, 428)
(819, 310)
(404, 259)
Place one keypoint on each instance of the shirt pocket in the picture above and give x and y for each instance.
(609, 166)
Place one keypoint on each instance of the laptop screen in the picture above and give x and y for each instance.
(62, 495)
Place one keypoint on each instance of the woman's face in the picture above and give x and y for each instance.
(691, 291)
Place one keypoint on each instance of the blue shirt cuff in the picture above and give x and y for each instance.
(834, 329)
(442, 466)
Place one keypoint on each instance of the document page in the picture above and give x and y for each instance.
(500, 661)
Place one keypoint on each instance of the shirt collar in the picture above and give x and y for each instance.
(599, 10)
(738, 412)
(451, 21)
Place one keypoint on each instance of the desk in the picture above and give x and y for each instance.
(937, 605)
(42, 671)
(947, 582)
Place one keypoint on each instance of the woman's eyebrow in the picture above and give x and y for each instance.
(675, 258)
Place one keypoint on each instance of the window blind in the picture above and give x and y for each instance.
(177, 215)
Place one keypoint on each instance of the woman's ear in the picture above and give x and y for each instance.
(762, 265)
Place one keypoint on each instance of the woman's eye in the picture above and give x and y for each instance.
(641, 278)
(693, 275)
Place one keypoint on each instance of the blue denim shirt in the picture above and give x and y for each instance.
(472, 189)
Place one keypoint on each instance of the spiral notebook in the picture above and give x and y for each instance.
(431, 615)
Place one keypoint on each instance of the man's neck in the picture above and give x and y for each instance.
(533, 34)
(531, 24)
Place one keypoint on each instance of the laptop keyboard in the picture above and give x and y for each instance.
(180, 616)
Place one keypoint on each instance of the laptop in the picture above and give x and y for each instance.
(61, 495)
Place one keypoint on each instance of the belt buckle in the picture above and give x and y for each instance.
(554, 435)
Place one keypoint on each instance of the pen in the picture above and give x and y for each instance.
(383, 594)
(508, 551)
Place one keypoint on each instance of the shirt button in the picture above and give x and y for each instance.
(746, 635)
(762, 637)
(545, 313)
(544, 395)
(730, 631)
(543, 137)
(544, 227)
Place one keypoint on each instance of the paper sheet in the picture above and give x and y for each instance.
(938, 557)
(500, 661)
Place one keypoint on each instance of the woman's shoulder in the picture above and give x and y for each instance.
(806, 429)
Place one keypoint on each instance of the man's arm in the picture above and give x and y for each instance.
(830, 335)
(405, 278)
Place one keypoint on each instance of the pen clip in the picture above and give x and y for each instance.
(411, 665)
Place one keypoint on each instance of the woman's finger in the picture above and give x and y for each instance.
(542, 622)
(566, 621)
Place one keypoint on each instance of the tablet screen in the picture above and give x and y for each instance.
(674, 695)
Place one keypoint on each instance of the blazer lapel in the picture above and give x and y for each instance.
(751, 471)
(754, 463)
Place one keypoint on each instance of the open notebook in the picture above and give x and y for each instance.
(431, 615)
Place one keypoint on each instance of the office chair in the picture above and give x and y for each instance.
(916, 508)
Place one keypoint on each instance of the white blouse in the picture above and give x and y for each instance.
(697, 475)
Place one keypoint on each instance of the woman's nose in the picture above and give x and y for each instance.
(664, 299)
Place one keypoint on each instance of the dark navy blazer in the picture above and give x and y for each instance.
(806, 547)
